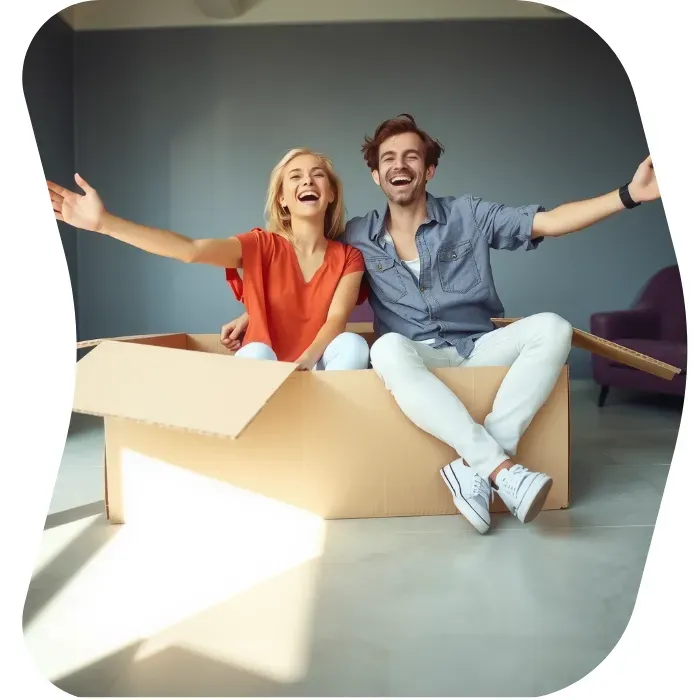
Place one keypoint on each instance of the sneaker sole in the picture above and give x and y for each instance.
(534, 499)
(479, 524)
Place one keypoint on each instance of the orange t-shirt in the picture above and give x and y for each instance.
(285, 312)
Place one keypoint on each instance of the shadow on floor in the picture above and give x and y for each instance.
(174, 672)
(74, 514)
(53, 577)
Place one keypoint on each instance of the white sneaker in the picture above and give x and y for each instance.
(470, 492)
(524, 492)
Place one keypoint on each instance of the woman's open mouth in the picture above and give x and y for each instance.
(308, 196)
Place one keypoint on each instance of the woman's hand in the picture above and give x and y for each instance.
(305, 363)
(84, 211)
(87, 212)
(232, 333)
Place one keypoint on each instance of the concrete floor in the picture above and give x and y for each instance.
(390, 607)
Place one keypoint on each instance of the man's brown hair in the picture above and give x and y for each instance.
(402, 124)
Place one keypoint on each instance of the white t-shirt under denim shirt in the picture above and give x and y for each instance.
(414, 268)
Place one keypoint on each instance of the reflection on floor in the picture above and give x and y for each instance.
(289, 605)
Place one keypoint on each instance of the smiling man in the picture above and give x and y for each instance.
(433, 295)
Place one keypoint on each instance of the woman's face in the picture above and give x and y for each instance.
(306, 188)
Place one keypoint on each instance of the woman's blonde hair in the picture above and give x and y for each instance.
(278, 217)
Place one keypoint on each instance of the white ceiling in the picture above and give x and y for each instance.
(136, 14)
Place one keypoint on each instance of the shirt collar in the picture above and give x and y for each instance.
(436, 214)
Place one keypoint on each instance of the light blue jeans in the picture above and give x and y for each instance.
(345, 351)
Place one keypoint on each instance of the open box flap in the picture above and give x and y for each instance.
(613, 351)
(200, 392)
(170, 340)
(585, 341)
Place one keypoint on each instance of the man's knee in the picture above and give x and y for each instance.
(554, 329)
(386, 349)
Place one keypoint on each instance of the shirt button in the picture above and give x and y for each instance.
(379, 266)
(454, 256)
(422, 289)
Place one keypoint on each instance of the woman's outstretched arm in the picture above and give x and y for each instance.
(86, 211)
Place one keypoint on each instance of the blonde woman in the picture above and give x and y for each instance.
(299, 283)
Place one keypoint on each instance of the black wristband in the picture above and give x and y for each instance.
(626, 198)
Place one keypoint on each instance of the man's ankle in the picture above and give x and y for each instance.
(504, 465)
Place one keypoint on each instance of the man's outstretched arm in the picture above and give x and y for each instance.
(575, 216)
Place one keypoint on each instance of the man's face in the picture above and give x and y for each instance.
(402, 174)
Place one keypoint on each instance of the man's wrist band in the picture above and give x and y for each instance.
(626, 198)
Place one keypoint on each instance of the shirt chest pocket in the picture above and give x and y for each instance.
(458, 269)
(385, 278)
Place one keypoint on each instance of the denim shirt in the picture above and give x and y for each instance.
(455, 298)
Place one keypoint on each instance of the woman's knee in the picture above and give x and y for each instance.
(257, 351)
(351, 350)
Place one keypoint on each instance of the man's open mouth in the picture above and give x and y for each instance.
(400, 180)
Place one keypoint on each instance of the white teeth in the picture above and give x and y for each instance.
(309, 194)
(400, 180)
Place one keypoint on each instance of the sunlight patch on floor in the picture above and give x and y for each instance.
(227, 569)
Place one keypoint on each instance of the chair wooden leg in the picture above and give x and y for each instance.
(604, 390)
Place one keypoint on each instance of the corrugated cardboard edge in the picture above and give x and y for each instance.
(165, 339)
(612, 351)
(104, 469)
(581, 339)
(285, 370)
(167, 426)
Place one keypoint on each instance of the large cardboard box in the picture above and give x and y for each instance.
(334, 444)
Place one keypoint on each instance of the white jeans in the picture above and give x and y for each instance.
(535, 348)
(345, 351)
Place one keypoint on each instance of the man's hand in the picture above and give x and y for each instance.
(575, 216)
(232, 333)
(644, 187)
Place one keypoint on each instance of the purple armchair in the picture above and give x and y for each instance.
(655, 326)
(362, 313)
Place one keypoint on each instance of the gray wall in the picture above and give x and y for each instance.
(180, 129)
(48, 89)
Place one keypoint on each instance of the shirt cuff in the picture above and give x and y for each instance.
(526, 222)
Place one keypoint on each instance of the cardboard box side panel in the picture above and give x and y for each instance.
(193, 391)
(303, 449)
(545, 444)
(207, 342)
(357, 448)
(270, 467)
(366, 330)
(360, 327)
(165, 340)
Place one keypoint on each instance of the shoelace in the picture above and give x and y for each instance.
(480, 487)
(514, 478)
